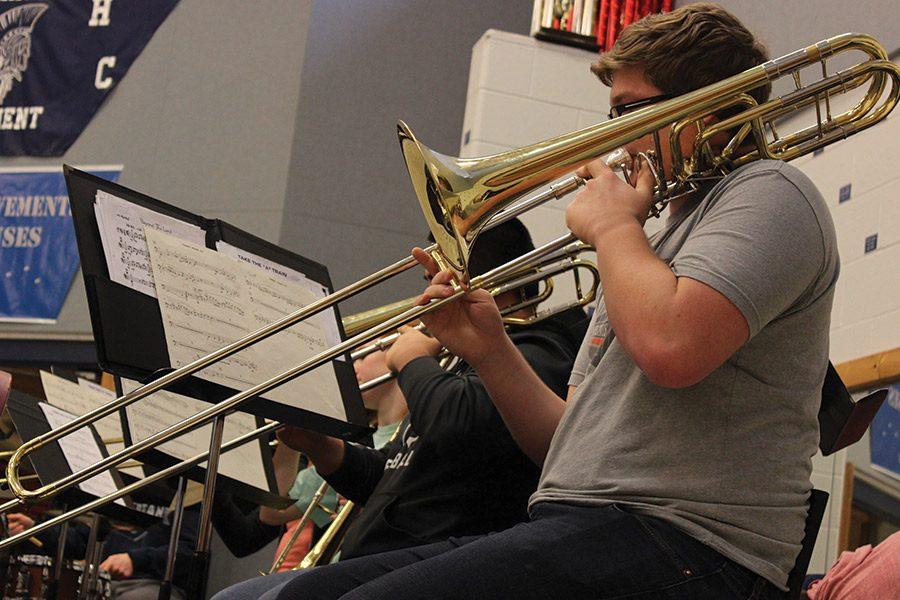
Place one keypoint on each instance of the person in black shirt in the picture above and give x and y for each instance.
(453, 469)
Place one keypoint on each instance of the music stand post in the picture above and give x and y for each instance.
(200, 563)
(89, 555)
(165, 588)
(53, 586)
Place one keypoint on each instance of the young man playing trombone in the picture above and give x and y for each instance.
(679, 466)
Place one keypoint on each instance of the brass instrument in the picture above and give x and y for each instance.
(315, 502)
(330, 541)
(462, 197)
(457, 194)
(5, 454)
(558, 262)
(569, 262)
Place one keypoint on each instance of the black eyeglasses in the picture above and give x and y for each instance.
(626, 107)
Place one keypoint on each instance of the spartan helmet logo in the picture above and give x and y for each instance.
(15, 43)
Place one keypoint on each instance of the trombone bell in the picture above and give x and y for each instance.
(459, 196)
(435, 180)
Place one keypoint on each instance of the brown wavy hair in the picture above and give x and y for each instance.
(686, 49)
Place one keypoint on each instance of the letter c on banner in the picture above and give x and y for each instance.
(102, 82)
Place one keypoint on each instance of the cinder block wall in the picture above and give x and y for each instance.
(866, 314)
(522, 91)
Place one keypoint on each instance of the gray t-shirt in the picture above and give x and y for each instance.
(726, 460)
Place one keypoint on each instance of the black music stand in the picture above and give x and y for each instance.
(50, 462)
(115, 330)
(120, 315)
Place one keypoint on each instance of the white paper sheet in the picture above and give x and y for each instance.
(326, 319)
(209, 300)
(81, 451)
(122, 225)
(79, 400)
(162, 409)
(96, 387)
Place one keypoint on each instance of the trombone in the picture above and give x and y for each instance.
(570, 262)
(541, 270)
(461, 197)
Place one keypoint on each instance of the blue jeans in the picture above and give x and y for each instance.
(565, 552)
(263, 588)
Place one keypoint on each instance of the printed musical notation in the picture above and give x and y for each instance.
(80, 450)
(162, 409)
(327, 320)
(79, 400)
(122, 225)
(208, 300)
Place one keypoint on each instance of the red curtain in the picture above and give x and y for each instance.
(615, 15)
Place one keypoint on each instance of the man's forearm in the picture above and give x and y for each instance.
(529, 408)
(327, 455)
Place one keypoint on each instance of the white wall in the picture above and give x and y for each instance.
(522, 91)
(866, 314)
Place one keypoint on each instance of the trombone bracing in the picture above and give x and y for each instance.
(462, 197)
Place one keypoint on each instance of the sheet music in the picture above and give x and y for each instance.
(96, 387)
(81, 451)
(162, 409)
(122, 225)
(209, 300)
(326, 319)
(79, 400)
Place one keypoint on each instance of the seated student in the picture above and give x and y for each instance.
(245, 533)
(387, 403)
(135, 560)
(454, 469)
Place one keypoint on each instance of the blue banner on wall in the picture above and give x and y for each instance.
(59, 61)
(38, 253)
(886, 434)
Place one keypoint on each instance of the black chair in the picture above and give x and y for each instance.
(842, 422)
(818, 501)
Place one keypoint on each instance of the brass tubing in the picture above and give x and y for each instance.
(230, 404)
(307, 515)
(398, 267)
(132, 487)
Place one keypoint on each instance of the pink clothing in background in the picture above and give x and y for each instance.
(865, 574)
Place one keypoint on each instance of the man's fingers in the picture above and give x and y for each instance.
(593, 169)
(438, 291)
(440, 287)
(645, 181)
(426, 260)
(444, 277)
